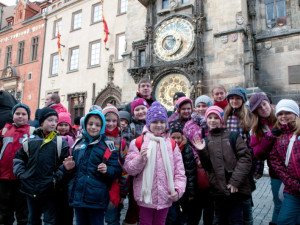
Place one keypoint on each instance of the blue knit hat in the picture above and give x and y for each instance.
(237, 91)
(156, 112)
(204, 99)
(21, 105)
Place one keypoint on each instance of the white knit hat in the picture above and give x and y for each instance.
(287, 105)
(204, 99)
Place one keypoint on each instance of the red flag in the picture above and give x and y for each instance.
(105, 27)
(58, 41)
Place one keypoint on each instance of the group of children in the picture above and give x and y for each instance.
(201, 161)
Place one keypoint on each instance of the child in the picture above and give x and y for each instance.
(184, 109)
(228, 165)
(179, 211)
(11, 200)
(202, 103)
(37, 164)
(285, 159)
(93, 171)
(124, 119)
(64, 127)
(263, 121)
(119, 190)
(219, 95)
(157, 168)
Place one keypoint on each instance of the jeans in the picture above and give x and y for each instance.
(112, 215)
(150, 216)
(247, 212)
(175, 215)
(275, 184)
(290, 210)
(37, 207)
(86, 216)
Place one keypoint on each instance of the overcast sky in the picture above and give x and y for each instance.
(12, 2)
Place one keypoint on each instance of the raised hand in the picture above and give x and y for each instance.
(69, 163)
(198, 143)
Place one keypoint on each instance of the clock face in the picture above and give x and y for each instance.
(174, 39)
(168, 86)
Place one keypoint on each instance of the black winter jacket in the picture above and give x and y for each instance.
(41, 170)
(149, 101)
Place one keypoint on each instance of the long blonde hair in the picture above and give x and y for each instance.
(294, 124)
(244, 116)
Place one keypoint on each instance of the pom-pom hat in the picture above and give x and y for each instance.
(287, 105)
(156, 112)
(110, 109)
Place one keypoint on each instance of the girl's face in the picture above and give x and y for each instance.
(93, 126)
(63, 128)
(219, 94)
(111, 121)
(213, 121)
(177, 137)
(201, 108)
(20, 116)
(158, 127)
(235, 101)
(185, 111)
(49, 124)
(264, 109)
(140, 112)
(124, 123)
(286, 117)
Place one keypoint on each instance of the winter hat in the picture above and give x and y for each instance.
(45, 112)
(95, 107)
(138, 102)
(204, 99)
(156, 112)
(237, 91)
(216, 110)
(81, 122)
(256, 100)
(125, 115)
(175, 126)
(64, 117)
(110, 109)
(182, 100)
(287, 105)
(21, 105)
(178, 95)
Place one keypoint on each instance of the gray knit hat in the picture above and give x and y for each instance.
(237, 91)
(204, 99)
(287, 105)
(125, 115)
(95, 107)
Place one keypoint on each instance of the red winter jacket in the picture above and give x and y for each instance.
(58, 108)
(289, 175)
(10, 144)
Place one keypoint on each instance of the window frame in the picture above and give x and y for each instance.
(70, 59)
(54, 35)
(117, 48)
(20, 53)
(34, 47)
(90, 54)
(93, 13)
(270, 23)
(51, 64)
(162, 4)
(73, 20)
(120, 7)
(8, 55)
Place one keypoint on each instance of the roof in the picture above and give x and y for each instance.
(33, 6)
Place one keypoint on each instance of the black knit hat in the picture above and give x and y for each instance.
(45, 112)
(175, 126)
(178, 95)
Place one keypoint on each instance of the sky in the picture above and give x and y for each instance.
(12, 2)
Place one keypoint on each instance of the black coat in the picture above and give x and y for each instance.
(149, 101)
(7, 102)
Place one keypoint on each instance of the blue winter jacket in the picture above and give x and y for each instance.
(89, 188)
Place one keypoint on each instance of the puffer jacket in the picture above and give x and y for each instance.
(223, 168)
(289, 175)
(59, 108)
(41, 170)
(136, 127)
(10, 143)
(135, 164)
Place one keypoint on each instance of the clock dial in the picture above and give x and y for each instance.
(174, 39)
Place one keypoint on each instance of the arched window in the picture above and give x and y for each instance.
(275, 13)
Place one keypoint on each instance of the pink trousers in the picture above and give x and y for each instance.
(150, 216)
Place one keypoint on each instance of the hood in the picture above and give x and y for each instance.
(97, 113)
(7, 100)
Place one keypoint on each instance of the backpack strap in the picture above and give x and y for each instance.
(59, 145)
(109, 150)
(31, 130)
(25, 145)
(173, 144)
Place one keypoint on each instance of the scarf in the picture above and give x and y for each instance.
(148, 172)
(49, 137)
(112, 133)
(221, 104)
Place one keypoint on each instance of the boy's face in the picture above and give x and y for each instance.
(145, 89)
(158, 127)
(201, 108)
(49, 124)
(124, 123)
(93, 126)
(140, 112)
(177, 137)
(63, 128)
(219, 94)
(20, 116)
(111, 121)
(213, 121)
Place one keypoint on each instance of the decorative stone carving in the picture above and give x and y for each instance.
(268, 44)
(173, 4)
(234, 37)
(224, 39)
(251, 8)
(239, 19)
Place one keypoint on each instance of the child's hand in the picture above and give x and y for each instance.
(102, 168)
(232, 188)
(69, 163)
(199, 145)
(174, 197)
(143, 153)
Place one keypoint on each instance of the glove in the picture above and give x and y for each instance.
(276, 132)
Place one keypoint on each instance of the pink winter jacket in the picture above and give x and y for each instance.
(134, 165)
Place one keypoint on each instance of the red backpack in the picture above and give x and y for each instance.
(139, 142)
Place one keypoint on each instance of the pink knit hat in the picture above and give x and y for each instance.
(182, 100)
(138, 102)
(216, 110)
(64, 117)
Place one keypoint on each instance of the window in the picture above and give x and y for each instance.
(7, 61)
(10, 24)
(34, 48)
(54, 64)
(142, 57)
(275, 13)
(97, 13)
(29, 76)
(120, 46)
(76, 21)
(44, 10)
(94, 59)
(185, 1)
(20, 57)
(56, 24)
(123, 6)
(165, 4)
(74, 59)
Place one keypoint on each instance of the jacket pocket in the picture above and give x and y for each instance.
(96, 192)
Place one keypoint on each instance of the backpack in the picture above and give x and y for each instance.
(140, 139)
